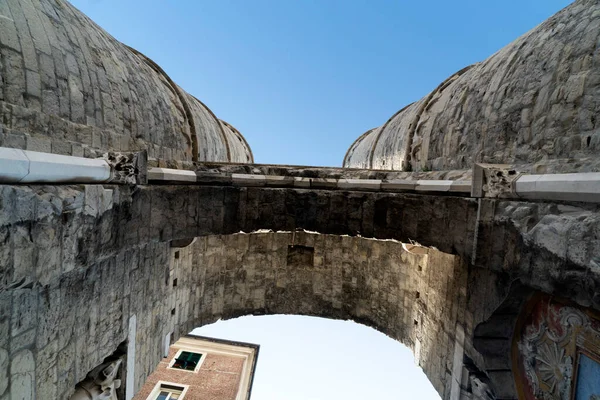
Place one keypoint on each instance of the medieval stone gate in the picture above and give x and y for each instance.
(465, 227)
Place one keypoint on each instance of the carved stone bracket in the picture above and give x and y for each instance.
(101, 383)
(128, 168)
(494, 180)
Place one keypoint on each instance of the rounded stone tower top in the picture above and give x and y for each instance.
(71, 88)
(240, 153)
(537, 100)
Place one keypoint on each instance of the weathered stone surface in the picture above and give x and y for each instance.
(534, 100)
(207, 168)
(128, 168)
(22, 380)
(4, 362)
(69, 83)
(113, 260)
(79, 263)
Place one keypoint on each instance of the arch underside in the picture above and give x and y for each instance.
(413, 298)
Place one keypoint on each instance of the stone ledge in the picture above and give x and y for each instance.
(325, 172)
(359, 184)
(171, 175)
(167, 175)
(433, 186)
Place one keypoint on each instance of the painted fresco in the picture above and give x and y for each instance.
(555, 346)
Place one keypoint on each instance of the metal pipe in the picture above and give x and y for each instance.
(23, 166)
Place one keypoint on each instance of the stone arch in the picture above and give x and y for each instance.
(408, 295)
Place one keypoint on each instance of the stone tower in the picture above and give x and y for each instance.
(71, 88)
(535, 101)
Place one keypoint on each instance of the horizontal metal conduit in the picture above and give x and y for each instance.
(23, 166)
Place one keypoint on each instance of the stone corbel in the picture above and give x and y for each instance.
(101, 383)
(128, 168)
(494, 180)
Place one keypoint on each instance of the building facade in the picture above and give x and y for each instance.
(201, 368)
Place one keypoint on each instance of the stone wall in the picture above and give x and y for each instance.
(70, 288)
(68, 87)
(60, 313)
(534, 100)
(77, 263)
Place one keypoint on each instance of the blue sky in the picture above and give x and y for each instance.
(307, 358)
(302, 79)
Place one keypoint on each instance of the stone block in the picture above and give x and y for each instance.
(301, 182)
(359, 184)
(433, 186)
(24, 311)
(14, 165)
(22, 370)
(460, 187)
(97, 139)
(61, 147)
(171, 175)
(323, 183)
(48, 320)
(34, 86)
(4, 363)
(584, 187)
(248, 180)
(15, 140)
(8, 31)
(39, 143)
(394, 185)
(38, 34)
(46, 383)
(279, 181)
(77, 150)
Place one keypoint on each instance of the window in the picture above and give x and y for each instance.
(167, 391)
(187, 360)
